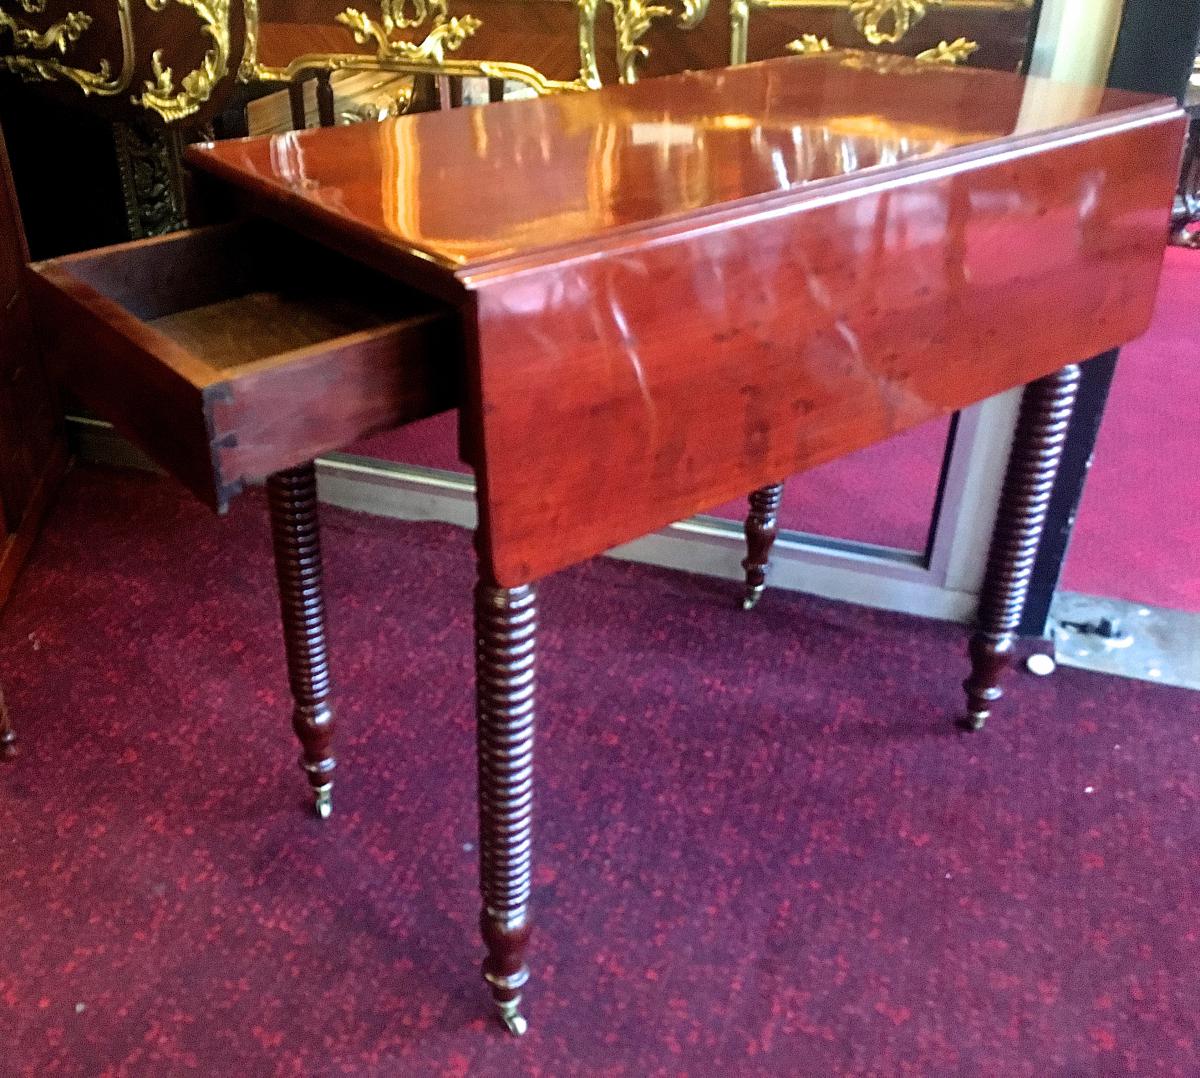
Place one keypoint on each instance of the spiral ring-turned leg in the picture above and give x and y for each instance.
(505, 658)
(292, 495)
(761, 529)
(8, 736)
(1032, 467)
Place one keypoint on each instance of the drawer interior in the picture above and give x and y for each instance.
(238, 293)
(229, 352)
(232, 332)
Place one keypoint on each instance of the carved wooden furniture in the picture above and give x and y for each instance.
(990, 33)
(735, 275)
(32, 451)
(546, 45)
(215, 352)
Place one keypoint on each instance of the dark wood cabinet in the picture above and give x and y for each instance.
(32, 449)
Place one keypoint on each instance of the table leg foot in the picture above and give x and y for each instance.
(990, 657)
(1028, 484)
(505, 662)
(292, 495)
(512, 1018)
(761, 530)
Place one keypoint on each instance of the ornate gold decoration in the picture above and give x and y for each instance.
(885, 22)
(631, 19)
(589, 71)
(881, 22)
(428, 56)
(809, 44)
(245, 70)
(369, 110)
(62, 36)
(197, 86)
(446, 35)
(953, 52)
(691, 14)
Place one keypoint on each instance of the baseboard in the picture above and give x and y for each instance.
(875, 576)
(860, 573)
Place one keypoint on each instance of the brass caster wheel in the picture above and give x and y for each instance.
(974, 720)
(324, 801)
(512, 1018)
(752, 596)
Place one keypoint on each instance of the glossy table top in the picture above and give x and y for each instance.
(473, 189)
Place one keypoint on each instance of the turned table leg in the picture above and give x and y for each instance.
(1032, 467)
(292, 495)
(505, 656)
(761, 529)
(8, 736)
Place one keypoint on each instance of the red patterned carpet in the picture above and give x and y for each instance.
(1138, 529)
(762, 848)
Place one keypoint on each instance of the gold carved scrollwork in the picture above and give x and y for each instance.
(246, 72)
(945, 52)
(632, 18)
(446, 35)
(429, 56)
(61, 36)
(881, 22)
(691, 14)
(885, 22)
(809, 45)
(589, 70)
(197, 86)
(949, 52)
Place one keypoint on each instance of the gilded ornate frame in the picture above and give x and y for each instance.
(62, 36)
(159, 94)
(881, 22)
(446, 34)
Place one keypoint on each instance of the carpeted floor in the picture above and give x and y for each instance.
(1138, 529)
(762, 848)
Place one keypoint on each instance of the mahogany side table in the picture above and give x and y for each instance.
(666, 294)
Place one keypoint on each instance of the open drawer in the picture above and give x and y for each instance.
(230, 352)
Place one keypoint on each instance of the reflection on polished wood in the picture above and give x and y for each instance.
(552, 172)
(677, 291)
(855, 261)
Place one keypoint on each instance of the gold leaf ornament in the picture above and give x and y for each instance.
(885, 22)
